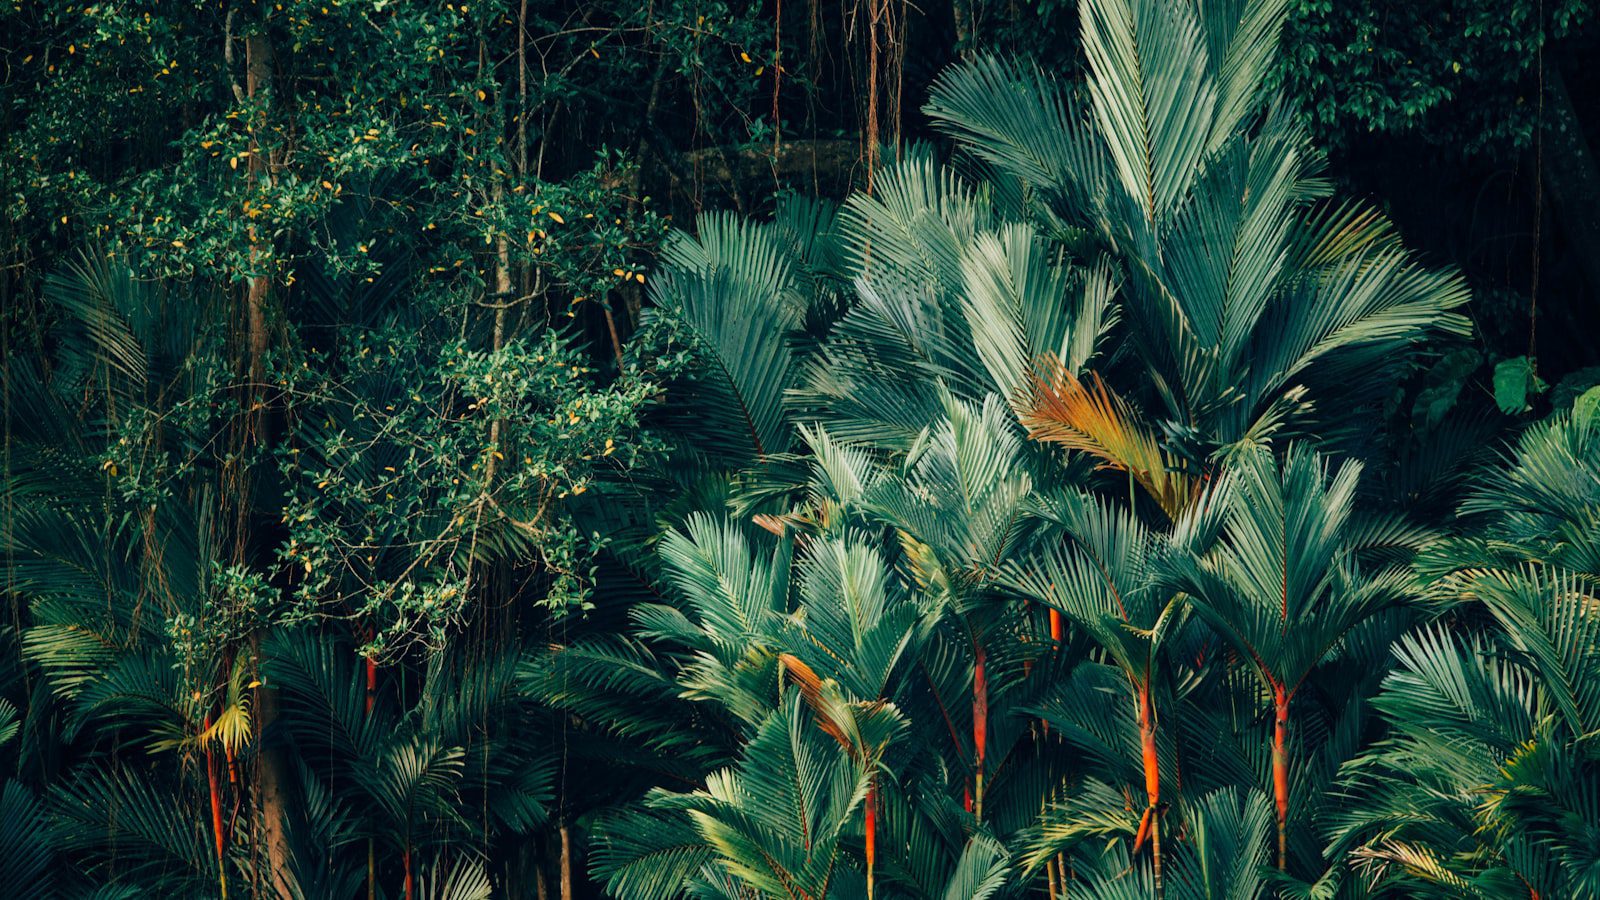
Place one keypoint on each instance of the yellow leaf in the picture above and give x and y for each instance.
(482, 96)
(327, 185)
(556, 217)
(639, 277)
(745, 57)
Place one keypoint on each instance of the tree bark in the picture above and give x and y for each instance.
(566, 862)
(271, 776)
(271, 772)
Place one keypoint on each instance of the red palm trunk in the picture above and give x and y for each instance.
(1280, 769)
(372, 850)
(216, 809)
(980, 725)
(1150, 822)
(870, 823)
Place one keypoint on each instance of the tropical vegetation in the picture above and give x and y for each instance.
(1087, 504)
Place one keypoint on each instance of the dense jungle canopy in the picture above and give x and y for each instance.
(698, 449)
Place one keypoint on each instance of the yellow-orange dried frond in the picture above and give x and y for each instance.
(810, 685)
(1084, 415)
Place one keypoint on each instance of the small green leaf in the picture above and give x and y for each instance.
(1514, 380)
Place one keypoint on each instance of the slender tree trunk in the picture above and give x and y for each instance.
(216, 812)
(1280, 769)
(405, 861)
(271, 776)
(502, 287)
(870, 825)
(1151, 822)
(566, 862)
(980, 725)
(271, 772)
(372, 849)
(502, 279)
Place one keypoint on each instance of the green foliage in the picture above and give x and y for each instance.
(1455, 74)
(1023, 524)
(417, 459)
(1514, 382)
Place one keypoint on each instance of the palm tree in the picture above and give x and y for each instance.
(1105, 577)
(117, 546)
(1488, 785)
(1255, 301)
(1284, 583)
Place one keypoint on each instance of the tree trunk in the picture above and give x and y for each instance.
(271, 775)
(566, 862)
(258, 78)
(216, 812)
(271, 772)
(1151, 821)
(1280, 769)
(405, 861)
(372, 850)
(980, 726)
(870, 825)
